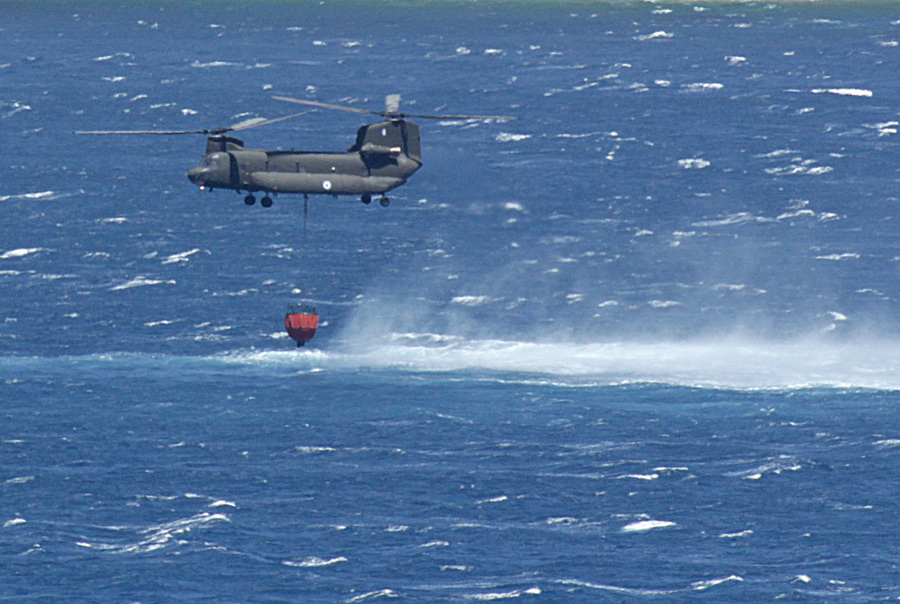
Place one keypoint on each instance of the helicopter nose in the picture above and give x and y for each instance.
(197, 175)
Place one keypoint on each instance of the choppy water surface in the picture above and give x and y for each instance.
(640, 343)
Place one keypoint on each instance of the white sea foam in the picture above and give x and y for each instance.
(657, 35)
(14, 522)
(141, 282)
(616, 589)
(508, 137)
(213, 64)
(703, 86)
(884, 128)
(796, 214)
(16, 106)
(19, 480)
(693, 163)
(800, 166)
(777, 465)
(381, 593)
(158, 323)
(663, 303)
(646, 525)
(702, 585)
(745, 533)
(40, 195)
(158, 536)
(723, 362)
(861, 92)
(504, 595)
(839, 257)
(182, 257)
(123, 55)
(21, 252)
(309, 449)
(222, 503)
(888, 443)
(653, 476)
(470, 300)
(314, 562)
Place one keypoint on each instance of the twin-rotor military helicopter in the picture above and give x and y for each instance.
(383, 157)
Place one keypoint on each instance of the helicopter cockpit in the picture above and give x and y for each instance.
(214, 171)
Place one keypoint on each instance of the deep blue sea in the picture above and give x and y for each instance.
(641, 344)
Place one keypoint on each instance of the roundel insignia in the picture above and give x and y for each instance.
(326, 184)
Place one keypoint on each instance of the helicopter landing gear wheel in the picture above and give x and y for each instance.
(266, 202)
(366, 198)
(384, 201)
(250, 200)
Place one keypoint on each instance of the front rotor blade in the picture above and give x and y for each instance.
(147, 131)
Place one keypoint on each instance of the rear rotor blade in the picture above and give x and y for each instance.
(459, 117)
(392, 114)
(326, 105)
(260, 121)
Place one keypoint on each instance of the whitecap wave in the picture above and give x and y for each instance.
(505, 595)
(703, 86)
(14, 522)
(861, 92)
(141, 282)
(209, 64)
(314, 562)
(693, 163)
(777, 465)
(702, 585)
(642, 526)
(21, 252)
(631, 591)
(39, 195)
(381, 593)
(508, 137)
(657, 35)
(158, 536)
(182, 257)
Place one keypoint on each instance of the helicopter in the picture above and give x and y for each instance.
(383, 157)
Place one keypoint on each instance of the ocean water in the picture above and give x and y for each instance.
(640, 344)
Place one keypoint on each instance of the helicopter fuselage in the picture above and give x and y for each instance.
(310, 172)
(384, 156)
